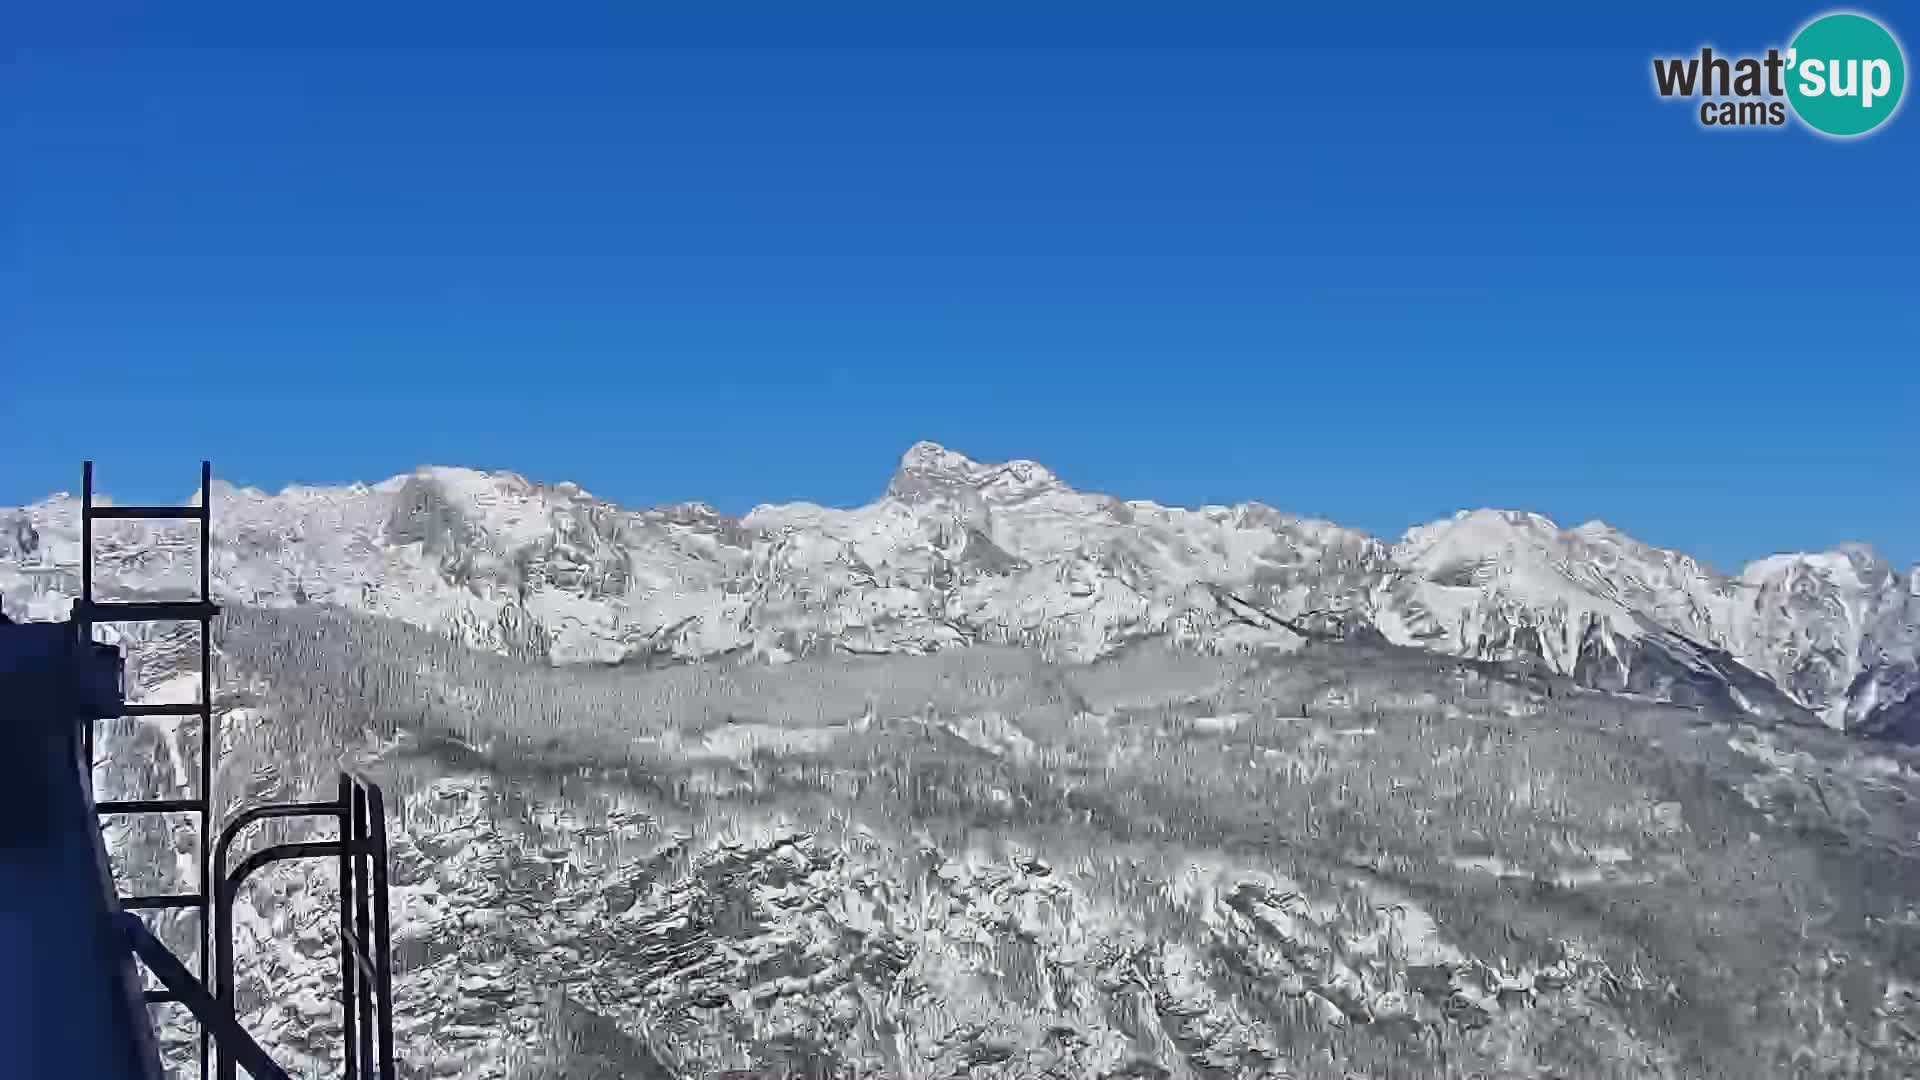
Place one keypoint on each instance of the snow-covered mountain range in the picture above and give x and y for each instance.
(959, 551)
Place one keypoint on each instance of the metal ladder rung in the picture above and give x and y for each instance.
(169, 708)
(176, 513)
(160, 903)
(155, 997)
(150, 806)
(144, 610)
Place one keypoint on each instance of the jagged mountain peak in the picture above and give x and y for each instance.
(1480, 536)
(486, 486)
(1848, 565)
(930, 469)
(1488, 527)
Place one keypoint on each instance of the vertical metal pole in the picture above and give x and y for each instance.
(349, 972)
(361, 924)
(86, 532)
(381, 949)
(207, 742)
(223, 942)
(84, 619)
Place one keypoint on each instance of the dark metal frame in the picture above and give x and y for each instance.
(361, 846)
(86, 612)
(366, 969)
(212, 1015)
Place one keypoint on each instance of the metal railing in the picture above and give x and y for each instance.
(366, 970)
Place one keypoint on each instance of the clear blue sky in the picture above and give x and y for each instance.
(1370, 263)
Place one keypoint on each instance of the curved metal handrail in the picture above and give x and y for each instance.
(365, 966)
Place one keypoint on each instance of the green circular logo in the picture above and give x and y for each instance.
(1845, 74)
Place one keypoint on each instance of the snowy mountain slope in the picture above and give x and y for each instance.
(1357, 860)
(957, 551)
(1588, 602)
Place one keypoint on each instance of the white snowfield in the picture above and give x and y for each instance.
(959, 551)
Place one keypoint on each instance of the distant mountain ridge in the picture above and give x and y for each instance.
(959, 551)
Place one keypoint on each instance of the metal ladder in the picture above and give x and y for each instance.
(86, 613)
(360, 846)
